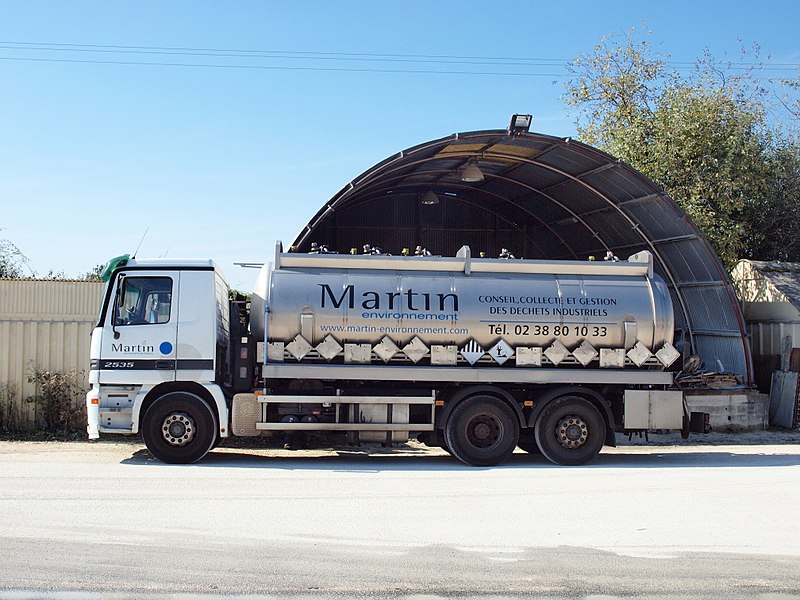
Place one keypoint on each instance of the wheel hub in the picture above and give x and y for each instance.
(572, 432)
(484, 430)
(178, 429)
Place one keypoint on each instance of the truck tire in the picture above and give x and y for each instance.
(482, 431)
(179, 428)
(570, 431)
(527, 442)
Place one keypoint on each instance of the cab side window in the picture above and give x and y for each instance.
(143, 301)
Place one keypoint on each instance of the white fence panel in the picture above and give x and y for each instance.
(43, 324)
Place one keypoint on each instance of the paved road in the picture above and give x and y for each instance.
(678, 522)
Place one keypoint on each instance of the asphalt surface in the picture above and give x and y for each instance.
(105, 520)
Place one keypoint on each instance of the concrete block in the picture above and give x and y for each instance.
(731, 410)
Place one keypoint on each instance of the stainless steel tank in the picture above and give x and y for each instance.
(452, 301)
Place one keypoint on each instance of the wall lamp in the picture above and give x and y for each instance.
(429, 198)
(472, 173)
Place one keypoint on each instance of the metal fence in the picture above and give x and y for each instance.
(43, 325)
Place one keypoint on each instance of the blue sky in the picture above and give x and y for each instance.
(221, 161)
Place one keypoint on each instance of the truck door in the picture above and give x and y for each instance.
(140, 330)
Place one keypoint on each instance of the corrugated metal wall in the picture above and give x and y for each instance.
(767, 338)
(771, 317)
(46, 324)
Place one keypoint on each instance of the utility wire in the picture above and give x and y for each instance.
(310, 56)
(274, 67)
(316, 54)
(284, 53)
(299, 56)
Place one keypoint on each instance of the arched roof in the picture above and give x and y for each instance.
(541, 197)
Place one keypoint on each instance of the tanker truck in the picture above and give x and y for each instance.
(478, 356)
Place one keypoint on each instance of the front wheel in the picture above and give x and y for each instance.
(482, 431)
(570, 431)
(179, 428)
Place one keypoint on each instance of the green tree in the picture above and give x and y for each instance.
(13, 263)
(708, 138)
(775, 230)
(93, 275)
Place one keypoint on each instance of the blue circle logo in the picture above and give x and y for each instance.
(165, 348)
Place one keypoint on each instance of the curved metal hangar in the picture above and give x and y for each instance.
(538, 197)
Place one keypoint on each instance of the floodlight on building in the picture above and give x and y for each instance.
(519, 124)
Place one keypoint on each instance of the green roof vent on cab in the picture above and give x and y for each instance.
(112, 265)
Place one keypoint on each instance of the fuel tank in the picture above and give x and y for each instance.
(461, 301)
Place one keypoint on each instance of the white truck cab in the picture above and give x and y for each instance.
(154, 340)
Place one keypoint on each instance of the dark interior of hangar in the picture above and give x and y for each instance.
(539, 197)
(456, 219)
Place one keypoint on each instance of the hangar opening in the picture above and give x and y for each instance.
(539, 197)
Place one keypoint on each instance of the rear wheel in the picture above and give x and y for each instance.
(445, 447)
(570, 431)
(482, 431)
(179, 428)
